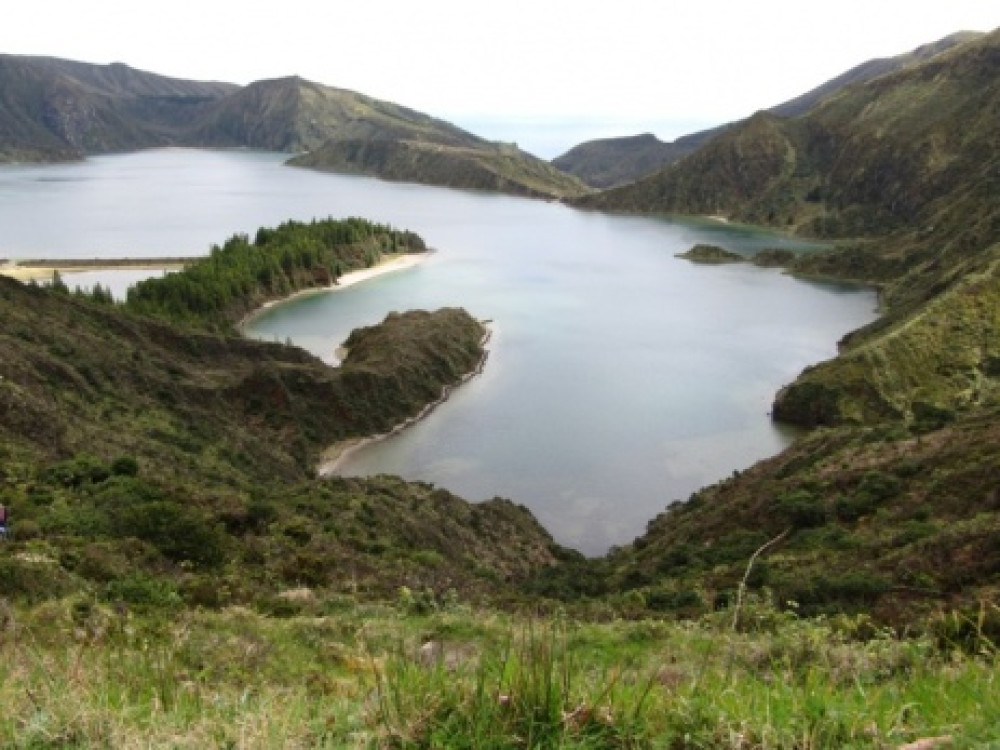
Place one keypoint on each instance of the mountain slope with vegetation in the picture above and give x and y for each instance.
(293, 114)
(613, 162)
(890, 506)
(904, 166)
(484, 166)
(53, 109)
(147, 462)
(176, 574)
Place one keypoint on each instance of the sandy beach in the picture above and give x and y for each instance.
(386, 265)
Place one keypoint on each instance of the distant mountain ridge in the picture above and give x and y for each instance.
(903, 170)
(613, 162)
(293, 114)
(892, 508)
(53, 109)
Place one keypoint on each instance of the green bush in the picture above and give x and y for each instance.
(928, 417)
(79, 470)
(879, 486)
(100, 562)
(850, 587)
(33, 580)
(141, 590)
(204, 591)
(683, 601)
(125, 466)
(179, 532)
(802, 509)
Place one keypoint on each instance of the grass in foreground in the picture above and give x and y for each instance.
(75, 674)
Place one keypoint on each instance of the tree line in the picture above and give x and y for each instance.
(237, 277)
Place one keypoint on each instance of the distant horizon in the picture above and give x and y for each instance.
(550, 137)
(649, 63)
(544, 136)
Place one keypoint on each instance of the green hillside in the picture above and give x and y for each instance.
(53, 110)
(148, 463)
(889, 508)
(483, 166)
(870, 160)
(292, 114)
(177, 576)
(905, 166)
(612, 162)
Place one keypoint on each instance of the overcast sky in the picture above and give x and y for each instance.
(569, 69)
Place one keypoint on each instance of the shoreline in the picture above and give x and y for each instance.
(388, 264)
(28, 270)
(332, 458)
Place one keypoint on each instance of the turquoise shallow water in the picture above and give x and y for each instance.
(620, 378)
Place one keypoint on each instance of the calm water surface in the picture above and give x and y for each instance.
(620, 378)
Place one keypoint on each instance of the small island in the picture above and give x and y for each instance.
(702, 253)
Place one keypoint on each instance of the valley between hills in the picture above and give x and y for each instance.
(175, 573)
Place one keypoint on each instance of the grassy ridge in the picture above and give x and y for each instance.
(941, 359)
(480, 166)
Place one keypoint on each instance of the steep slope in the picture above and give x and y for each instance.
(151, 461)
(613, 162)
(870, 160)
(892, 523)
(610, 162)
(747, 166)
(891, 508)
(480, 166)
(53, 109)
(292, 114)
(936, 361)
(869, 70)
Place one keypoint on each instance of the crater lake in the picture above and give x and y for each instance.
(620, 378)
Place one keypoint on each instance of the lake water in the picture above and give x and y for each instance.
(620, 378)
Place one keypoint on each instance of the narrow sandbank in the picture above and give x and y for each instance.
(28, 270)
